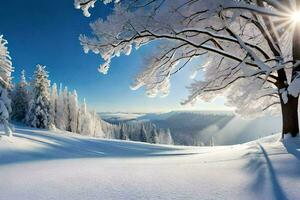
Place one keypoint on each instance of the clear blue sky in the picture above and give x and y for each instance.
(46, 32)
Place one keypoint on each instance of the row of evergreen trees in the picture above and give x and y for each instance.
(144, 132)
(37, 105)
(40, 106)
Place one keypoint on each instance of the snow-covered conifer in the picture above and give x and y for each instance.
(153, 138)
(94, 120)
(5, 83)
(123, 134)
(165, 136)
(53, 102)
(60, 114)
(98, 128)
(66, 109)
(39, 108)
(169, 139)
(79, 121)
(20, 99)
(73, 111)
(86, 124)
(143, 136)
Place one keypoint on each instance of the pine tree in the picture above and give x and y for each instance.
(98, 127)
(123, 135)
(86, 125)
(79, 121)
(53, 108)
(73, 111)
(66, 109)
(94, 122)
(154, 136)
(165, 136)
(39, 109)
(5, 83)
(20, 100)
(60, 114)
(143, 136)
(169, 139)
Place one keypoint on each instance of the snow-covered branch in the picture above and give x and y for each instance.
(241, 41)
(85, 5)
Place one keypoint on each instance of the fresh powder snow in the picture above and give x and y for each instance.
(40, 164)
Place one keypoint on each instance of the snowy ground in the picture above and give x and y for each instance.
(38, 164)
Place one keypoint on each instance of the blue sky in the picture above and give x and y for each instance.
(46, 32)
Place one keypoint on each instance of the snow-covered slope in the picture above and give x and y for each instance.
(38, 164)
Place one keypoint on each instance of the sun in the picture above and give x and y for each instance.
(295, 16)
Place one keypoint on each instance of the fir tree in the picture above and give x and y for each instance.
(66, 109)
(39, 109)
(143, 136)
(86, 125)
(61, 115)
(73, 111)
(154, 136)
(169, 139)
(20, 99)
(165, 136)
(123, 135)
(53, 108)
(5, 83)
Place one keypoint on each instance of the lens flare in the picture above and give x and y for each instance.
(295, 16)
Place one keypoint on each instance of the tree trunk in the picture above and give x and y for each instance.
(290, 120)
(290, 123)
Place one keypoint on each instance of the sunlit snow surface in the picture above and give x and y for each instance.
(39, 164)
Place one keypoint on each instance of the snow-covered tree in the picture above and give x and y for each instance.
(60, 114)
(250, 47)
(98, 130)
(153, 138)
(20, 99)
(73, 111)
(96, 127)
(53, 107)
(109, 130)
(168, 137)
(5, 83)
(79, 121)
(143, 136)
(86, 121)
(165, 136)
(66, 109)
(123, 133)
(39, 107)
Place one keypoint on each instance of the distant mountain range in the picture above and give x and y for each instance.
(202, 127)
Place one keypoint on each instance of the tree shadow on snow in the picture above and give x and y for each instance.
(261, 166)
(46, 146)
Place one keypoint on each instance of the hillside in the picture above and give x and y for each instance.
(39, 164)
(198, 127)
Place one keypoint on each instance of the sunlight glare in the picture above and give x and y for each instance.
(295, 16)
